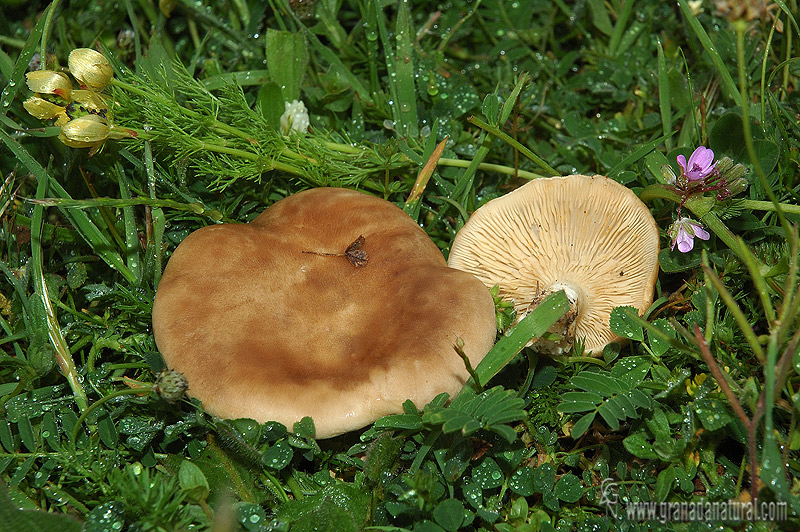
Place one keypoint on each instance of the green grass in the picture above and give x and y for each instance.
(705, 394)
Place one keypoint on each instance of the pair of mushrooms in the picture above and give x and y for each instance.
(336, 305)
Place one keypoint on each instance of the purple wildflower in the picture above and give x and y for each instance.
(701, 164)
(683, 232)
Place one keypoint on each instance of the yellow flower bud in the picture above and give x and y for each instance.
(90, 68)
(84, 132)
(91, 131)
(42, 109)
(693, 385)
(49, 82)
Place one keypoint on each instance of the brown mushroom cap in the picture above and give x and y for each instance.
(265, 331)
(587, 235)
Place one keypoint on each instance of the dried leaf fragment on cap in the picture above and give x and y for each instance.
(357, 256)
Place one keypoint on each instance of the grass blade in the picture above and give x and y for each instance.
(620, 27)
(88, 230)
(711, 50)
(464, 183)
(535, 324)
(405, 93)
(18, 73)
(62, 354)
(664, 97)
(400, 67)
(515, 144)
(736, 312)
(131, 232)
(637, 154)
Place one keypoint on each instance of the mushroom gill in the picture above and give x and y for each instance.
(588, 235)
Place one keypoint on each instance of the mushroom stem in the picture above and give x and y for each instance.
(564, 328)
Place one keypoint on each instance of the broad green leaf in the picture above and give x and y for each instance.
(473, 493)
(6, 438)
(35, 403)
(664, 483)
(521, 482)
(13, 519)
(773, 471)
(26, 433)
(76, 275)
(488, 474)
(623, 401)
(341, 506)
(611, 414)
(505, 432)
(193, 482)
(658, 345)
(424, 526)
(638, 446)
(544, 376)
(544, 478)
(107, 430)
(449, 514)
(622, 324)
(568, 488)
(767, 153)
(582, 425)
(654, 161)
(251, 516)
(727, 136)
(519, 510)
(50, 431)
(107, 517)
(659, 425)
(381, 456)
(670, 449)
(712, 413)
(632, 370)
(270, 103)
(491, 108)
(21, 472)
(305, 428)
(278, 456)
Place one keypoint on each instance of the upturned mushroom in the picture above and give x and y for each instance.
(587, 235)
(332, 304)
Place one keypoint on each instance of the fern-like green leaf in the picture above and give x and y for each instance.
(612, 395)
(491, 410)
